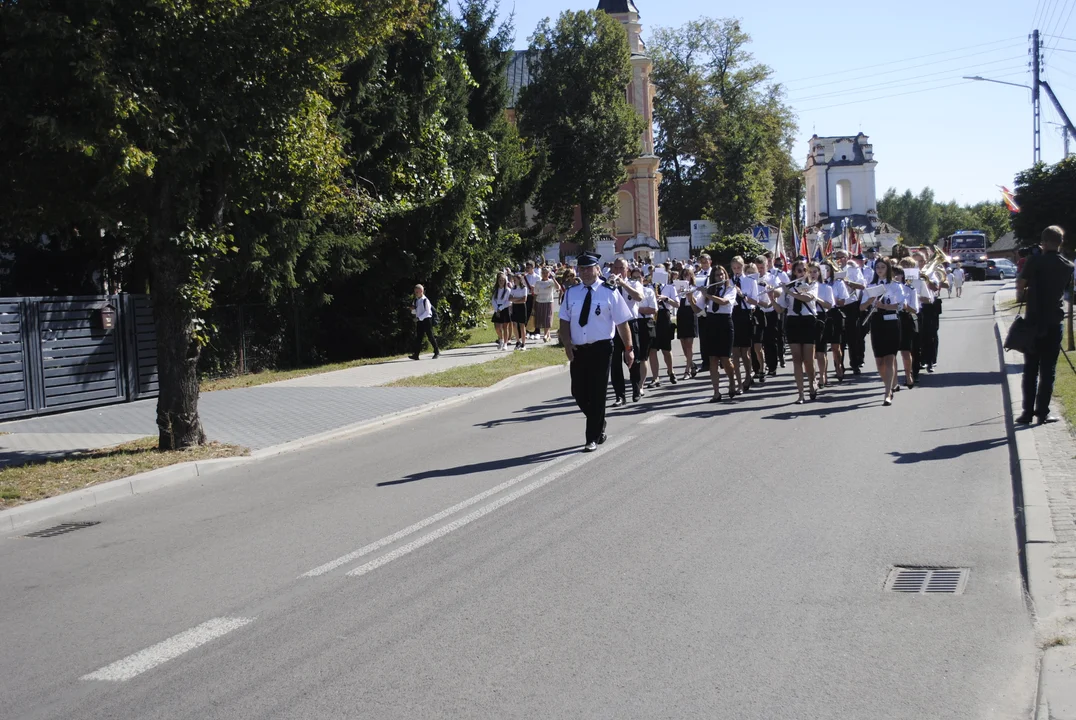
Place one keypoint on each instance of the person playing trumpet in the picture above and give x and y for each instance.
(718, 300)
(800, 301)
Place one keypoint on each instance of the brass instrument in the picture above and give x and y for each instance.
(935, 266)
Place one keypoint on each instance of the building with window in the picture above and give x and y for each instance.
(637, 198)
(839, 179)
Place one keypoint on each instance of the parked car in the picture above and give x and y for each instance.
(1000, 269)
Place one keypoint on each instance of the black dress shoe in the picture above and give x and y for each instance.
(602, 438)
(619, 401)
(1024, 419)
(635, 395)
(413, 357)
(855, 371)
(1049, 419)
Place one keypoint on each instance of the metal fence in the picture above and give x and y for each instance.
(62, 353)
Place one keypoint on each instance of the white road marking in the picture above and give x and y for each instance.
(486, 510)
(170, 649)
(388, 540)
(655, 419)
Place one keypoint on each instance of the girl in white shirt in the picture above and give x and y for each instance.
(885, 327)
(718, 299)
(518, 298)
(909, 332)
(816, 273)
(502, 311)
(800, 327)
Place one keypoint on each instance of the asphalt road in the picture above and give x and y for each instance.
(709, 561)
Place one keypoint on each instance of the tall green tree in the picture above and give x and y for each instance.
(168, 117)
(1046, 195)
(575, 111)
(916, 216)
(724, 132)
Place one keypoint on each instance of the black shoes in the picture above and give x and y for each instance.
(1024, 419)
(413, 357)
(619, 401)
(437, 355)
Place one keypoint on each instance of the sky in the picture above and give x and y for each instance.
(893, 71)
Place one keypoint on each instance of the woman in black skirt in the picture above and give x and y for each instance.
(718, 299)
(835, 319)
(686, 328)
(800, 301)
(743, 325)
(826, 302)
(668, 305)
(518, 297)
(885, 327)
(502, 311)
(909, 318)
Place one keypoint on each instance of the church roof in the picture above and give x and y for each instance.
(1006, 242)
(616, 7)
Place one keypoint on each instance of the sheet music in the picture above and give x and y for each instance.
(873, 291)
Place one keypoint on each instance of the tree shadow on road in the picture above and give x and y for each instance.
(948, 452)
(502, 464)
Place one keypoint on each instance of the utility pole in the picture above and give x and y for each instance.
(1035, 67)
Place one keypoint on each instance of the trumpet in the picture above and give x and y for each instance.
(935, 265)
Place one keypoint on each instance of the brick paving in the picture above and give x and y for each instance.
(1057, 450)
(256, 417)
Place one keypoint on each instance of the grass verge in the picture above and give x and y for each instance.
(40, 480)
(488, 373)
(484, 333)
(1065, 384)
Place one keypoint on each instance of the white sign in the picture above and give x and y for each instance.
(702, 233)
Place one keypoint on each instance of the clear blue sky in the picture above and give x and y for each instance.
(859, 67)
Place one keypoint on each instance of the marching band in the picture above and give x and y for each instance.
(744, 316)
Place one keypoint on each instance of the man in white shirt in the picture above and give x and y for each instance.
(591, 314)
(423, 312)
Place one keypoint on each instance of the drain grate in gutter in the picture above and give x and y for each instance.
(927, 580)
(61, 529)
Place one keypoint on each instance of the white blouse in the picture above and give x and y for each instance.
(806, 308)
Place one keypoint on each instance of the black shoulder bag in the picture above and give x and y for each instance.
(1021, 335)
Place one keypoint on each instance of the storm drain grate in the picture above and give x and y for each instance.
(927, 580)
(61, 529)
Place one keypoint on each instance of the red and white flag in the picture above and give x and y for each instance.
(1010, 199)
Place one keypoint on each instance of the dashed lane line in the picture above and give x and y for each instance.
(486, 510)
(138, 663)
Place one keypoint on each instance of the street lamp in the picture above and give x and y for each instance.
(999, 82)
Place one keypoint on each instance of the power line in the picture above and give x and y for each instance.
(904, 82)
(1060, 15)
(1062, 30)
(1045, 20)
(894, 95)
(1035, 17)
(910, 67)
(917, 57)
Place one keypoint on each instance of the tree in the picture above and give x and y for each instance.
(167, 118)
(1046, 195)
(745, 245)
(576, 113)
(916, 216)
(724, 133)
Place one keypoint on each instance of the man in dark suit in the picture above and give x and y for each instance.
(1041, 284)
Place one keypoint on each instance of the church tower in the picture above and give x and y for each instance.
(638, 196)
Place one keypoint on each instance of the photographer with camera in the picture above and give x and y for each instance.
(1041, 284)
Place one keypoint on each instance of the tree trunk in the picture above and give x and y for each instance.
(588, 237)
(178, 423)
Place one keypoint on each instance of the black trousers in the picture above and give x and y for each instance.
(590, 383)
(779, 322)
(423, 330)
(855, 342)
(1040, 367)
(618, 367)
(928, 334)
(771, 336)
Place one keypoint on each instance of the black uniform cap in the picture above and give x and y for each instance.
(587, 259)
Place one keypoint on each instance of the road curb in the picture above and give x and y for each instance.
(40, 510)
(1057, 669)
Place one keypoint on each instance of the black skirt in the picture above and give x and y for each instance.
(743, 328)
(665, 331)
(835, 326)
(801, 329)
(885, 335)
(519, 313)
(717, 335)
(503, 317)
(907, 332)
(685, 321)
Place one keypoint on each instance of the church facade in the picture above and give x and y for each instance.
(839, 179)
(636, 227)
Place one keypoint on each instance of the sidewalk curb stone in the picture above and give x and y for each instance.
(40, 510)
(1057, 670)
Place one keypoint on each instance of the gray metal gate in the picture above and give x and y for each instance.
(58, 353)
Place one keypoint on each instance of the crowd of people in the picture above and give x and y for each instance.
(740, 323)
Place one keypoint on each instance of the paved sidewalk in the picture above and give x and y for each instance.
(256, 417)
(1046, 456)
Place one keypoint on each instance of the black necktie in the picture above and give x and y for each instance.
(741, 303)
(584, 314)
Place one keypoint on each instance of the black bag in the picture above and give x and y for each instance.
(1021, 335)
